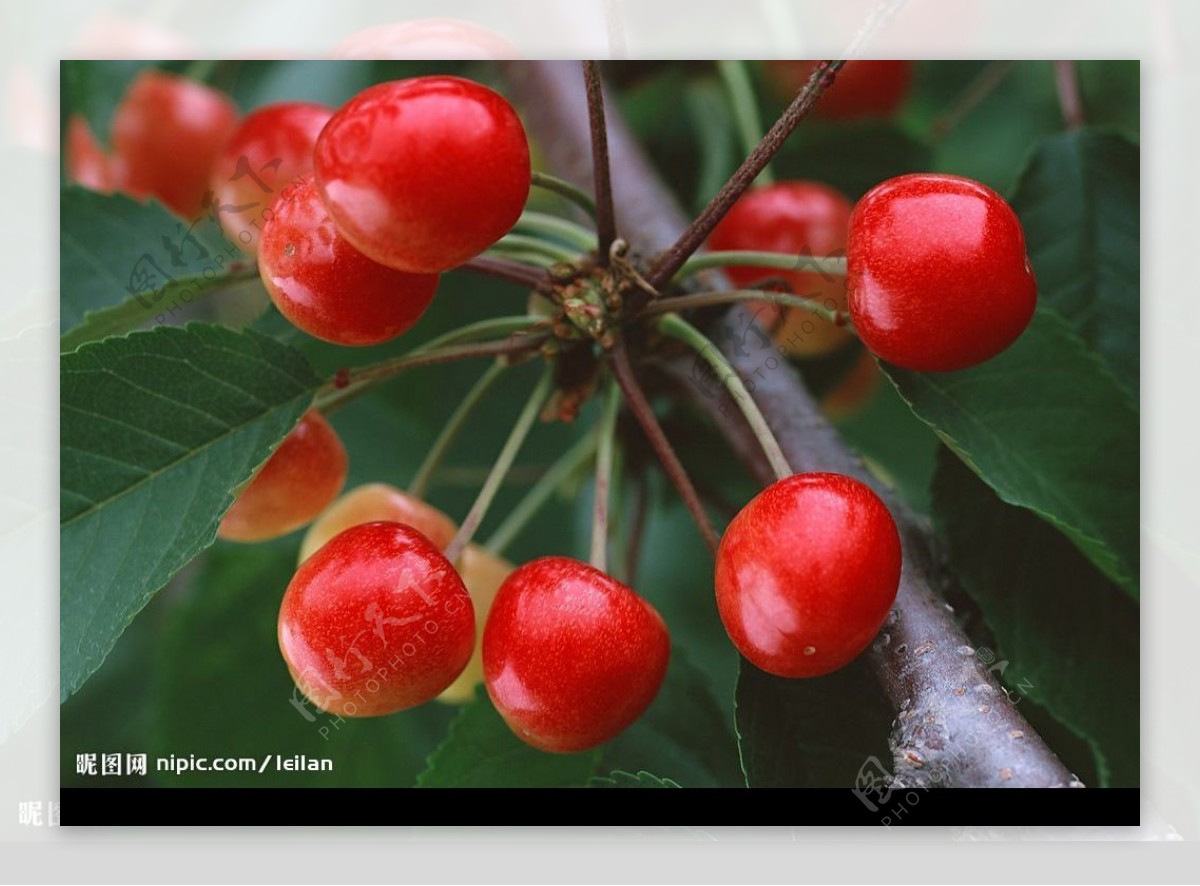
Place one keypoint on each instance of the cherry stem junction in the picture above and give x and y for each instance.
(445, 439)
(504, 462)
(676, 327)
(607, 432)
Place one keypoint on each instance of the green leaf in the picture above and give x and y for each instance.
(124, 263)
(156, 430)
(1078, 200)
(816, 732)
(482, 752)
(222, 688)
(1046, 425)
(1070, 635)
(619, 779)
(683, 733)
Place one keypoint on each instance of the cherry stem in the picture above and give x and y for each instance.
(635, 398)
(697, 232)
(606, 225)
(710, 299)
(536, 245)
(348, 385)
(504, 462)
(553, 226)
(607, 432)
(743, 101)
(1066, 78)
(977, 90)
(824, 265)
(540, 492)
(445, 439)
(676, 327)
(506, 269)
(566, 190)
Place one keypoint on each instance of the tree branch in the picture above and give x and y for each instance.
(606, 230)
(954, 724)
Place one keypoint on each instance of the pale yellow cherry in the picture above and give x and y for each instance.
(482, 572)
(374, 502)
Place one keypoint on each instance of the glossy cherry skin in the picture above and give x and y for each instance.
(167, 133)
(376, 502)
(302, 476)
(806, 574)
(272, 147)
(483, 573)
(327, 287)
(376, 621)
(937, 273)
(423, 174)
(571, 657)
(862, 88)
(87, 163)
(799, 218)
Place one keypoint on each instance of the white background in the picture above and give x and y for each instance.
(1163, 34)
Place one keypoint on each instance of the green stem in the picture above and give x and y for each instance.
(334, 395)
(676, 327)
(742, 99)
(604, 477)
(553, 226)
(437, 452)
(536, 245)
(535, 260)
(481, 330)
(702, 261)
(504, 462)
(540, 493)
(566, 190)
(709, 299)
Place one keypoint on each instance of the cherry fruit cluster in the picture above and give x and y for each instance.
(372, 201)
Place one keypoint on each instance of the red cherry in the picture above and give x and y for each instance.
(87, 162)
(795, 218)
(375, 622)
(937, 272)
(372, 503)
(167, 132)
(302, 476)
(326, 286)
(863, 88)
(423, 174)
(571, 657)
(271, 148)
(806, 574)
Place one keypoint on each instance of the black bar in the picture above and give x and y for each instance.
(590, 806)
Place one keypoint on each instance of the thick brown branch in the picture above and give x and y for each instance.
(954, 725)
